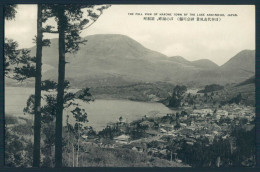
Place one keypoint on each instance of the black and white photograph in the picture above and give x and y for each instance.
(129, 85)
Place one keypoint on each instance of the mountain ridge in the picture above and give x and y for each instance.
(114, 59)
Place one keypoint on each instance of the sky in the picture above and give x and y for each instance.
(216, 41)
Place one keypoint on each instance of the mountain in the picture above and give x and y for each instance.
(237, 69)
(250, 80)
(102, 47)
(179, 59)
(113, 60)
(240, 67)
(205, 63)
(241, 61)
(245, 88)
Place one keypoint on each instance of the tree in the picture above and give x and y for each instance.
(237, 99)
(61, 78)
(17, 149)
(10, 11)
(38, 75)
(173, 146)
(211, 88)
(77, 129)
(177, 96)
(69, 19)
(70, 23)
(25, 69)
(49, 111)
(120, 119)
(17, 62)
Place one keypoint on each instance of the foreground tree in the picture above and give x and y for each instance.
(49, 111)
(19, 65)
(70, 23)
(38, 75)
(75, 132)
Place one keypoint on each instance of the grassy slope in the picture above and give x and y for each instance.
(121, 157)
(95, 156)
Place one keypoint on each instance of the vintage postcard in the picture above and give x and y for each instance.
(129, 85)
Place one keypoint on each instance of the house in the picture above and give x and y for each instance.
(191, 128)
(163, 152)
(198, 111)
(84, 137)
(123, 139)
(185, 117)
(168, 127)
(207, 111)
(231, 117)
(163, 130)
(186, 132)
(193, 114)
(222, 113)
(134, 149)
(183, 125)
(138, 146)
(186, 104)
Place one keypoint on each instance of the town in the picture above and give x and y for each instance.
(154, 135)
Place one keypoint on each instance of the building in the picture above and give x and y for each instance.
(123, 139)
(222, 113)
(203, 111)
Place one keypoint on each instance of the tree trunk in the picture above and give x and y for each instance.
(73, 155)
(61, 78)
(171, 155)
(78, 154)
(218, 161)
(37, 106)
(68, 147)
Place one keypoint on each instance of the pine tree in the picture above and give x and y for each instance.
(49, 111)
(38, 75)
(19, 65)
(70, 23)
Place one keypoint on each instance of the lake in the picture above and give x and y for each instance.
(100, 112)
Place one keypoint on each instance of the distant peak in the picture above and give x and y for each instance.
(245, 53)
(241, 57)
(109, 36)
(178, 59)
(204, 60)
(246, 50)
(205, 63)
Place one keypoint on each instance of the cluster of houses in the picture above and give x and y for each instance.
(193, 125)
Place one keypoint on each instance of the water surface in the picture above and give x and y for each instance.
(100, 112)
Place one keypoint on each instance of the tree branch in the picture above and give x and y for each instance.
(89, 25)
(81, 42)
(101, 12)
(50, 31)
